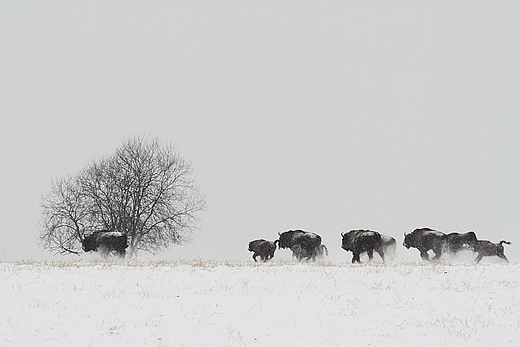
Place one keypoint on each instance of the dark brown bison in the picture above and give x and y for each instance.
(106, 242)
(262, 248)
(360, 241)
(489, 249)
(303, 244)
(426, 239)
(457, 242)
(319, 252)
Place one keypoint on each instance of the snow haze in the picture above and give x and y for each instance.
(318, 116)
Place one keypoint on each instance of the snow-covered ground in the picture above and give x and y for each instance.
(247, 304)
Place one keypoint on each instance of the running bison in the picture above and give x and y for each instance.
(106, 242)
(360, 241)
(457, 242)
(262, 248)
(303, 244)
(426, 239)
(489, 249)
(299, 253)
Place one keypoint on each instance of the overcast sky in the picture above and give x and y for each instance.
(322, 116)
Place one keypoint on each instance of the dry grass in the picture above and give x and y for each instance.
(415, 302)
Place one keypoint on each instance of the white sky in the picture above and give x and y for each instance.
(323, 117)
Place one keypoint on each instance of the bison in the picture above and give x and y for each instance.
(263, 248)
(426, 239)
(489, 249)
(457, 242)
(106, 242)
(319, 252)
(303, 244)
(360, 241)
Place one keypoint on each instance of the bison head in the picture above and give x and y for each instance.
(346, 241)
(287, 238)
(409, 240)
(89, 244)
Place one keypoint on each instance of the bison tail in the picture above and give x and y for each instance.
(276, 242)
(504, 241)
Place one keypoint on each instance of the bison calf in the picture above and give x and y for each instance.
(489, 249)
(262, 248)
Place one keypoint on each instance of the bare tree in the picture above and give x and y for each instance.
(64, 215)
(144, 190)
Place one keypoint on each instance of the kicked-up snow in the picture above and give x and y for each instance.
(246, 304)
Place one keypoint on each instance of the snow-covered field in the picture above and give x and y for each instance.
(247, 304)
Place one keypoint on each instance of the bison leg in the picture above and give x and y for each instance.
(425, 256)
(382, 255)
(479, 258)
(355, 258)
(254, 257)
(313, 254)
(503, 256)
(438, 252)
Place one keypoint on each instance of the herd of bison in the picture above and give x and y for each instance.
(307, 245)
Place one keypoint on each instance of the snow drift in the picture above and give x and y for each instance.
(246, 304)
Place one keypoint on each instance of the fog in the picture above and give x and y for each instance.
(322, 117)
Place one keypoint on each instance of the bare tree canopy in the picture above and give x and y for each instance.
(144, 190)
